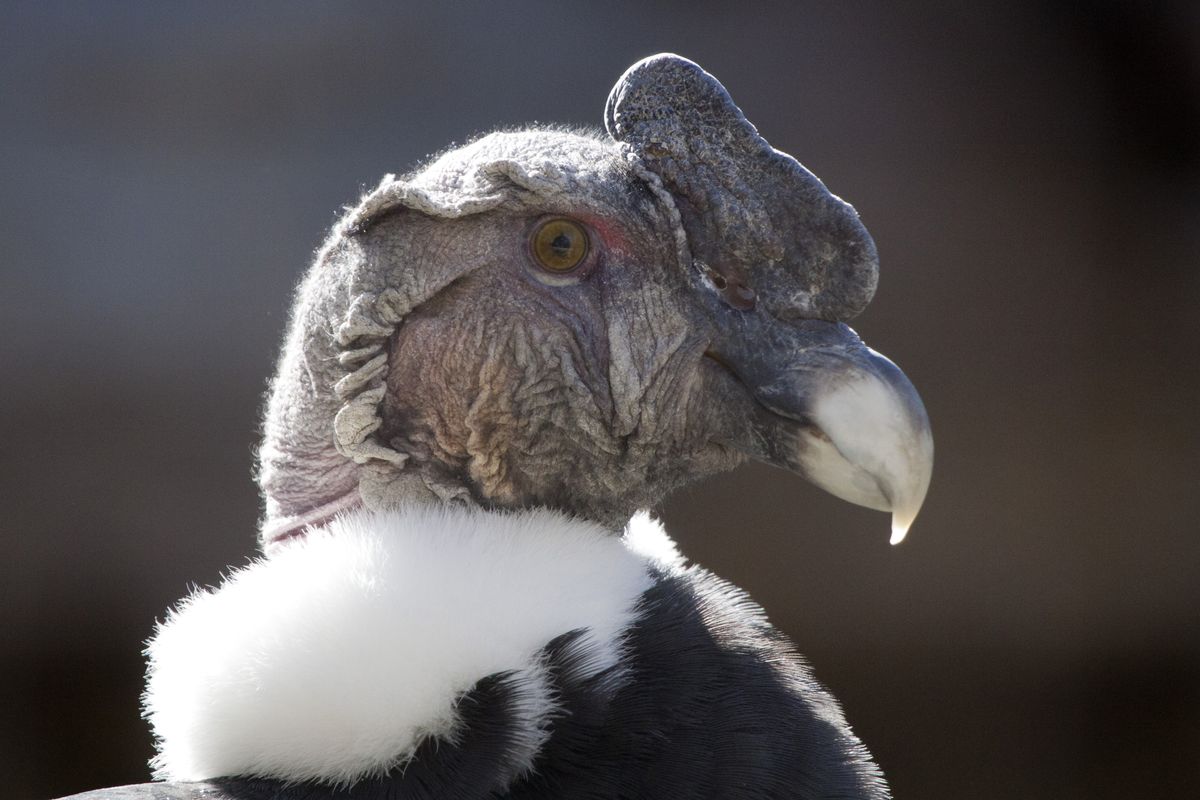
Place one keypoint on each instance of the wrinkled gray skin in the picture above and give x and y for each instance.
(508, 386)
(594, 396)
(430, 357)
(449, 366)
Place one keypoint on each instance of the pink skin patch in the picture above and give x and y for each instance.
(613, 235)
(280, 532)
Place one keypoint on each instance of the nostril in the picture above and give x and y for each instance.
(732, 288)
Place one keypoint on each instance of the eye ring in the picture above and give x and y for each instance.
(559, 245)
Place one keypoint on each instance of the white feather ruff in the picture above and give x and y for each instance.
(331, 659)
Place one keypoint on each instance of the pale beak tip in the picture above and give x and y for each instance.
(906, 514)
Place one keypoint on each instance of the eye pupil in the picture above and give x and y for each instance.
(559, 245)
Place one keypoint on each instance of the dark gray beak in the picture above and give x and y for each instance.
(778, 262)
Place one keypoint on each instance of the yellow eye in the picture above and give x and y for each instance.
(559, 244)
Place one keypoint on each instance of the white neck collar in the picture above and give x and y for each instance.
(331, 659)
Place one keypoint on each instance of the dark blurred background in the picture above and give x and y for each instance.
(1031, 176)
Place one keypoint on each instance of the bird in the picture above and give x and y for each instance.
(493, 366)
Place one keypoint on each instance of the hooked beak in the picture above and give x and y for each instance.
(835, 411)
